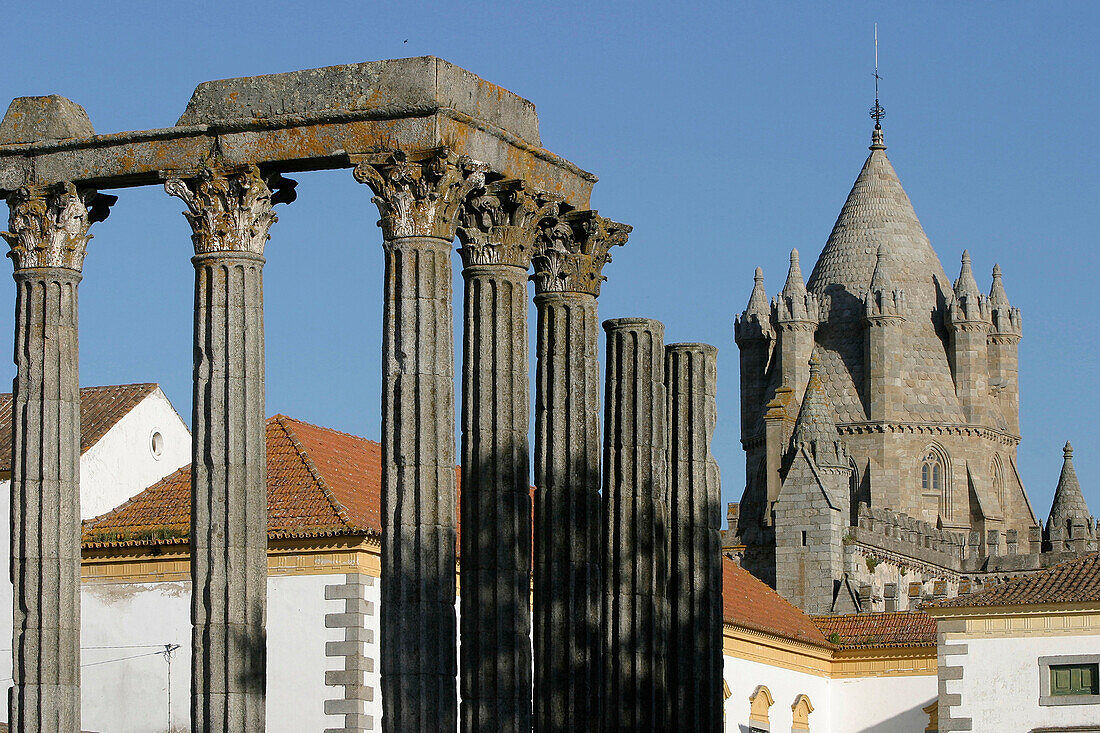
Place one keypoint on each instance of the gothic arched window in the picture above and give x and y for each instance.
(935, 483)
(998, 475)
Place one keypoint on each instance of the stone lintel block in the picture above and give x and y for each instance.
(343, 648)
(348, 677)
(344, 707)
(52, 117)
(345, 590)
(393, 88)
(344, 620)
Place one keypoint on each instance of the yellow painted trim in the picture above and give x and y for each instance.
(890, 662)
(1037, 622)
(759, 701)
(171, 563)
(756, 646)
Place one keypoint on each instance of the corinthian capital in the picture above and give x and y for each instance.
(498, 223)
(230, 209)
(418, 194)
(572, 249)
(49, 225)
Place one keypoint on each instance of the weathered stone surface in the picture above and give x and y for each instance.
(49, 231)
(230, 213)
(695, 577)
(571, 251)
(393, 88)
(34, 119)
(418, 198)
(497, 232)
(567, 583)
(636, 538)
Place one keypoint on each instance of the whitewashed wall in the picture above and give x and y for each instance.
(130, 696)
(122, 463)
(786, 685)
(1000, 683)
(881, 704)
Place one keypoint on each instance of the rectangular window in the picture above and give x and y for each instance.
(1074, 679)
(1069, 679)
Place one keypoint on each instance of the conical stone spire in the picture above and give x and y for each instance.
(755, 321)
(880, 279)
(969, 303)
(966, 286)
(1069, 503)
(1006, 319)
(815, 428)
(794, 303)
(998, 298)
(795, 285)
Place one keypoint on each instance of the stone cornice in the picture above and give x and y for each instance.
(862, 428)
(419, 193)
(498, 223)
(1009, 339)
(572, 249)
(49, 224)
(229, 208)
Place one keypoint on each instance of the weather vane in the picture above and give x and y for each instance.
(878, 114)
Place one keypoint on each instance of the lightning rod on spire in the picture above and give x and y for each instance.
(878, 114)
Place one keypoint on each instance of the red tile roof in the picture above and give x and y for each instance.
(1074, 581)
(877, 630)
(100, 409)
(749, 603)
(320, 482)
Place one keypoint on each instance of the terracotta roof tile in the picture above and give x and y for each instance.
(100, 409)
(319, 482)
(876, 630)
(749, 603)
(1074, 581)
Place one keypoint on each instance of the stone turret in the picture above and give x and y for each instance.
(753, 333)
(795, 312)
(884, 314)
(1070, 527)
(969, 322)
(812, 511)
(1004, 363)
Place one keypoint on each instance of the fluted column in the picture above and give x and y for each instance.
(230, 213)
(497, 230)
(418, 196)
(48, 238)
(635, 519)
(695, 574)
(572, 250)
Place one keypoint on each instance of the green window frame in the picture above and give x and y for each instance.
(1074, 679)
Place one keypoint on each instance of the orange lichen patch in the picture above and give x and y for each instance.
(877, 630)
(100, 409)
(751, 604)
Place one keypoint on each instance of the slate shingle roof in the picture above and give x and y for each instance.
(878, 630)
(878, 214)
(752, 604)
(100, 410)
(1074, 581)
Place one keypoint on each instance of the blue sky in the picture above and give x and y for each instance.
(725, 133)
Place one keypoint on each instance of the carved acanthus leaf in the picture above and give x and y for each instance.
(49, 225)
(418, 194)
(230, 210)
(498, 223)
(572, 249)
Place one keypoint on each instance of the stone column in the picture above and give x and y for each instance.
(497, 230)
(418, 196)
(230, 212)
(695, 577)
(48, 237)
(635, 518)
(572, 250)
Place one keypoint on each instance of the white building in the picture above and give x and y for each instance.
(323, 594)
(1023, 655)
(131, 436)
